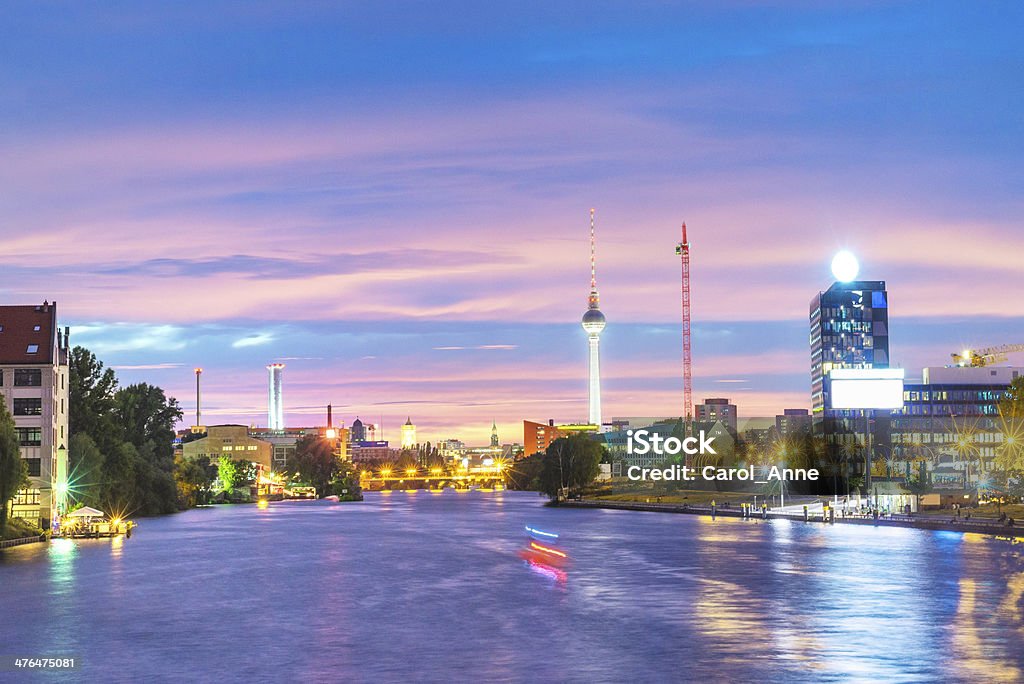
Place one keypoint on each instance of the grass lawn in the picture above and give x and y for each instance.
(1015, 511)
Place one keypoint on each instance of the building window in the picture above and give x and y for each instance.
(1, 378)
(28, 407)
(30, 436)
(32, 349)
(34, 466)
(27, 497)
(28, 377)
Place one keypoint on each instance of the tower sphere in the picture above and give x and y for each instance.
(593, 321)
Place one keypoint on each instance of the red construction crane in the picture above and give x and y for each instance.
(683, 250)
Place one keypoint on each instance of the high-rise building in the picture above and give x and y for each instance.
(34, 384)
(793, 423)
(593, 323)
(714, 410)
(849, 328)
(494, 434)
(275, 403)
(408, 434)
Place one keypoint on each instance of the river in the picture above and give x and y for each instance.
(431, 587)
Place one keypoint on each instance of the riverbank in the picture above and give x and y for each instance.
(8, 543)
(917, 522)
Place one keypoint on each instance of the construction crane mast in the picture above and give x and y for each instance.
(683, 250)
(978, 358)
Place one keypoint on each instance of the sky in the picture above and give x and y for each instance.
(393, 198)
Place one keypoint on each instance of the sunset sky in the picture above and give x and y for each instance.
(392, 198)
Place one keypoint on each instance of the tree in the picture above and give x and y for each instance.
(406, 460)
(192, 477)
(13, 473)
(145, 414)
(92, 389)
(917, 486)
(1011, 406)
(570, 463)
(118, 490)
(85, 465)
(345, 484)
(525, 473)
(227, 473)
(314, 463)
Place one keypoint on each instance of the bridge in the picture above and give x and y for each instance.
(484, 481)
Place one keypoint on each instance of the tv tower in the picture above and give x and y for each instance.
(275, 403)
(593, 323)
(683, 250)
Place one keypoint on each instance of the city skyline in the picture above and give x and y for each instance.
(330, 208)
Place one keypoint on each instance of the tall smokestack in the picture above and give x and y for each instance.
(199, 415)
(330, 424)
(275, 405)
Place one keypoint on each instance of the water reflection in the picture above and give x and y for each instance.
(403, 587)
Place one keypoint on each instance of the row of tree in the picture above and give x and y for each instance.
(315, 463)
(121, 452)
(568, 466)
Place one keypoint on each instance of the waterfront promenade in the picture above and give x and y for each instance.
(979, 526)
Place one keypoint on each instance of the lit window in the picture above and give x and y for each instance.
(35, 329)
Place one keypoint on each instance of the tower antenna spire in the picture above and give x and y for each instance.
(594, 300)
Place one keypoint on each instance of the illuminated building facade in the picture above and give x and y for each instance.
(275, 401)
(950, 421)
(849, 328)
(408, 434)
(232, 441)
(372, 451)
(35, 388)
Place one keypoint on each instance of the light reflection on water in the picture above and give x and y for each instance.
(428, 588)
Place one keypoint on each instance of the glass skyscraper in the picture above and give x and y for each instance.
(849, 326)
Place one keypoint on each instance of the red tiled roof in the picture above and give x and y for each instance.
(18, 333)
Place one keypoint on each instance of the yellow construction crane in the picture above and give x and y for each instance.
(985, 357)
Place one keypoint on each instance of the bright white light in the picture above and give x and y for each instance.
(845, 267)
(868, 388)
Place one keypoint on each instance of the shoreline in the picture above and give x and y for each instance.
(11, 543)
(992, 529)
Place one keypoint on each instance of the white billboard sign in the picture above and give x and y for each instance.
(866, 388)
